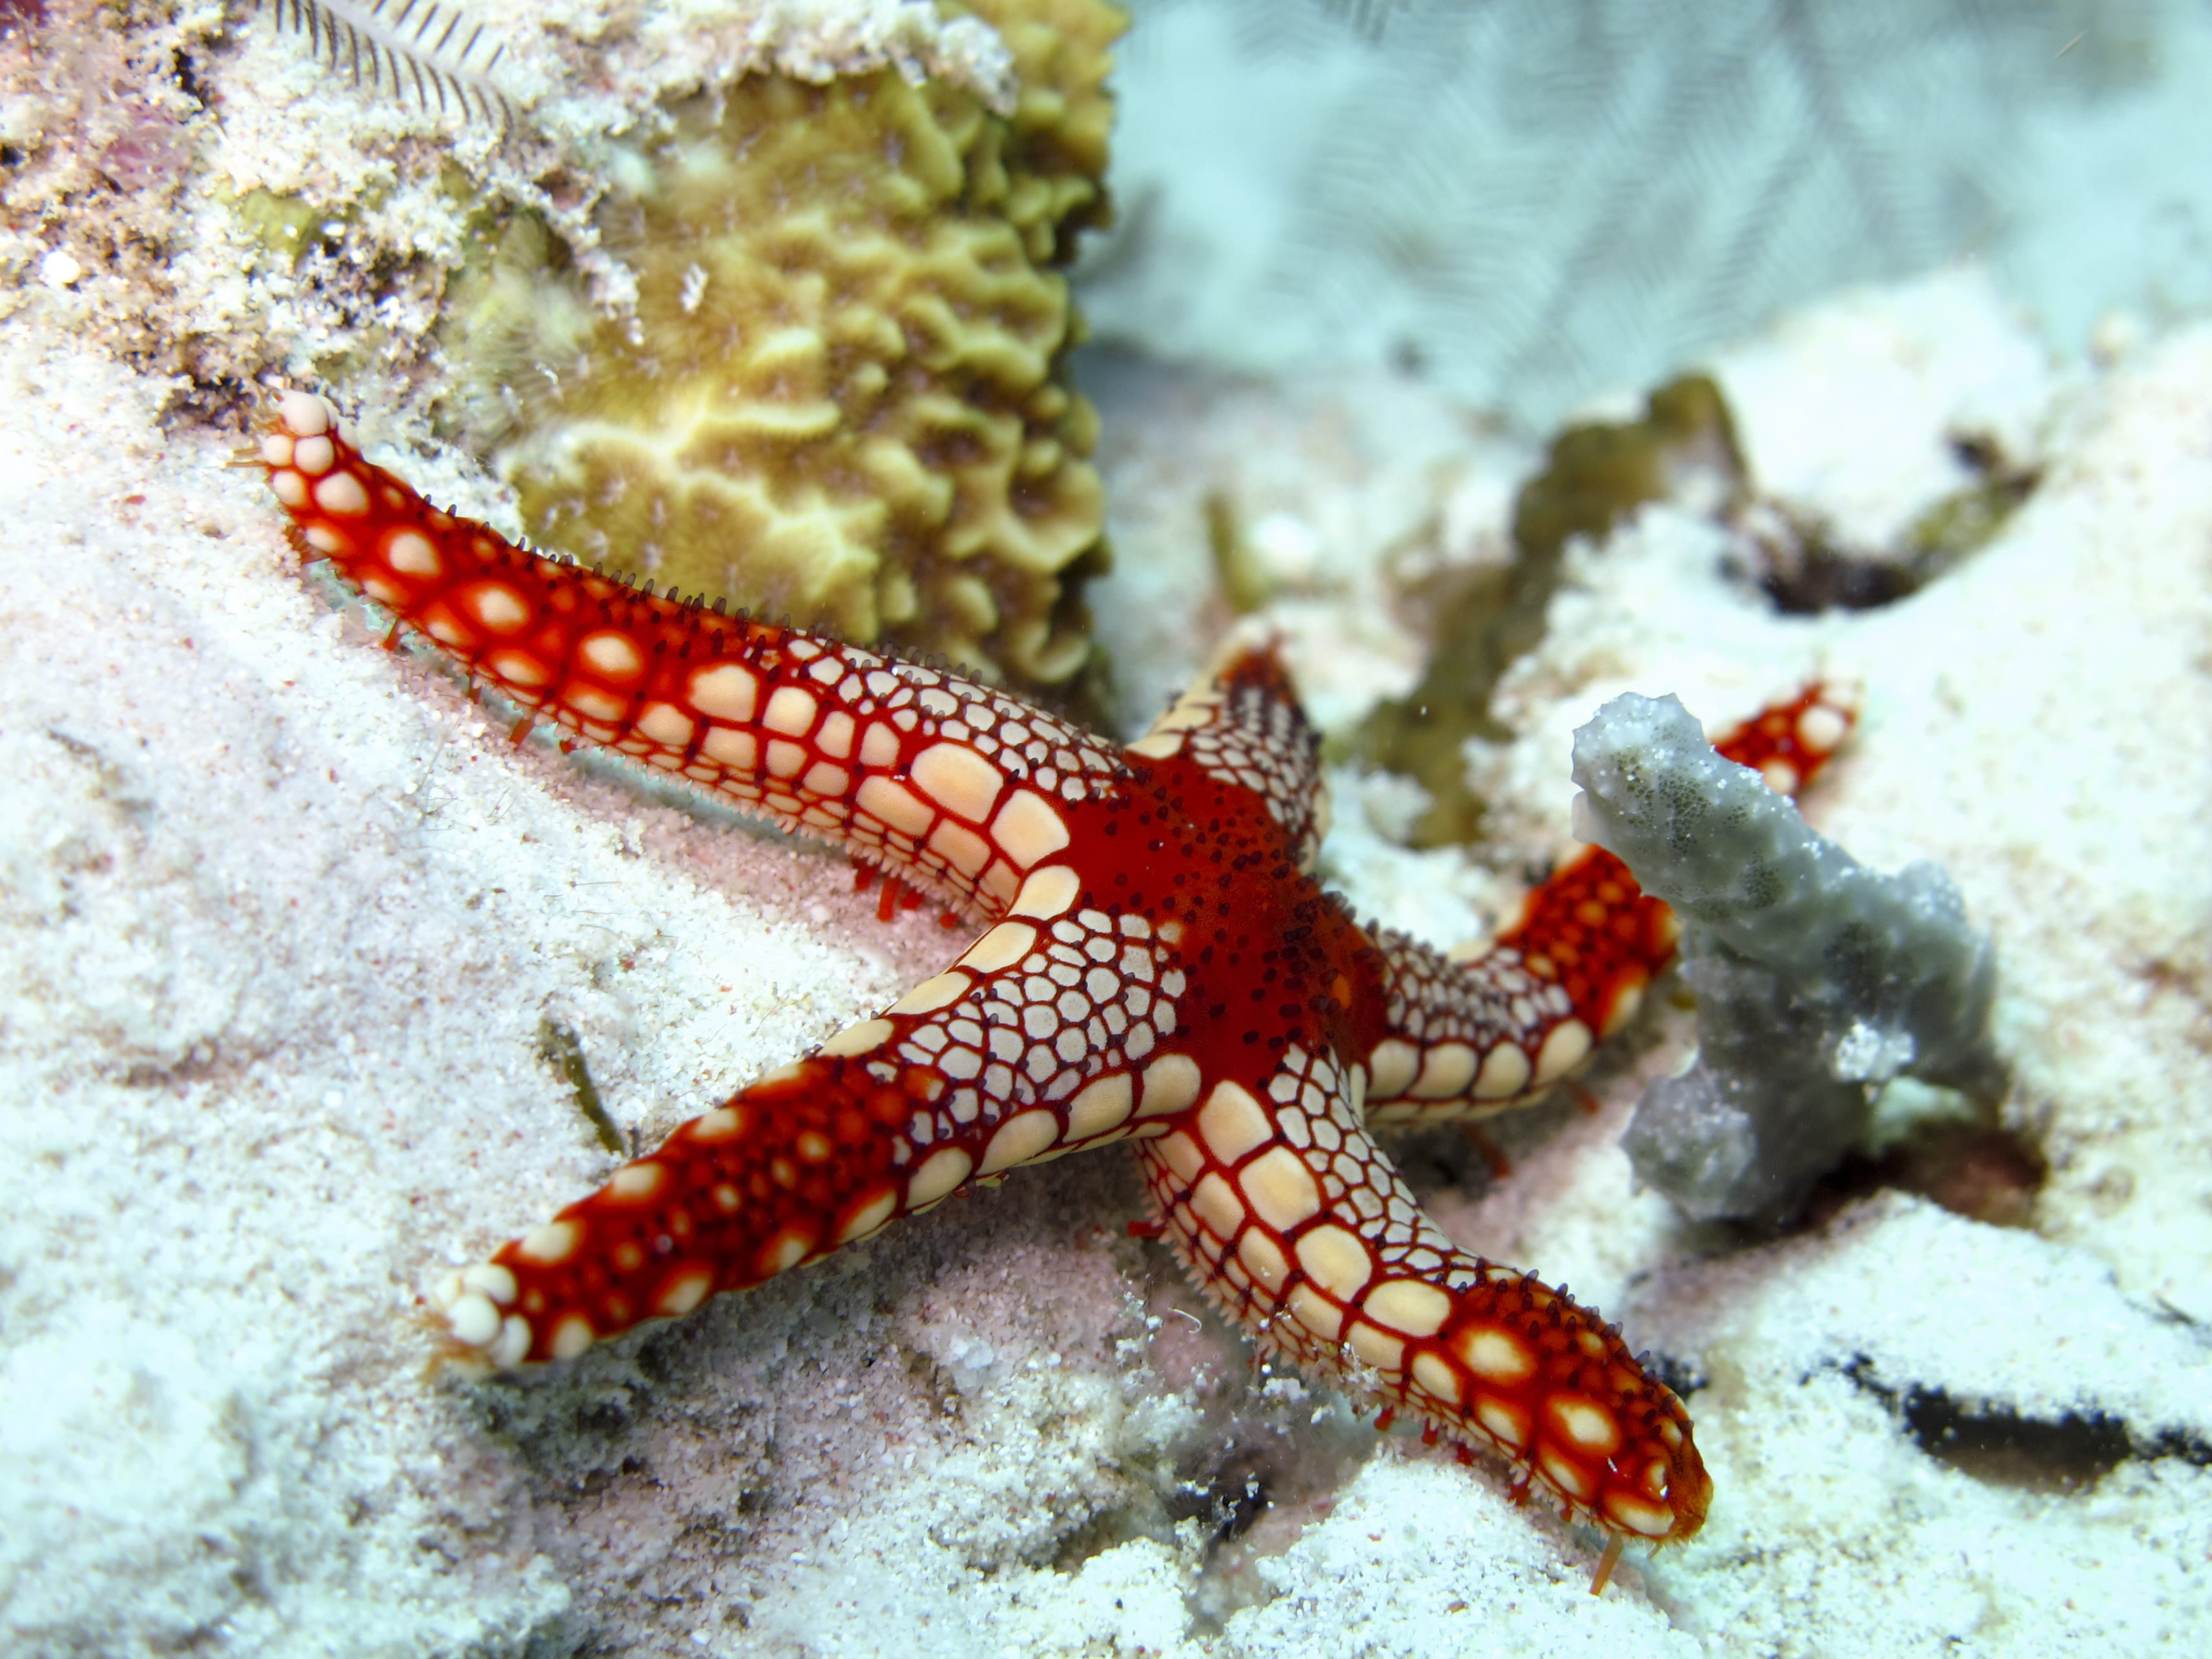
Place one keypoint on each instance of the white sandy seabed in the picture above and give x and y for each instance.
(285, 916)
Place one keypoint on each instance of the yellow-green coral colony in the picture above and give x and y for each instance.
(841, 396)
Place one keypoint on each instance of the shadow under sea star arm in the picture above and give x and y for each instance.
(960, 789)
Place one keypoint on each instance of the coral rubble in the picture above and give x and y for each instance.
(1818, 980)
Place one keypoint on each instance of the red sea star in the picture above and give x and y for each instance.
(1159, 966)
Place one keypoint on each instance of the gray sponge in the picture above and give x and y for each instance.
(1818, 980)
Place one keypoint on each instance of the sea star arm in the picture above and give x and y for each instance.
(1475, 1036)
(1241, 724)
(1289, 1216)
(1031, 1045)
(959, 789)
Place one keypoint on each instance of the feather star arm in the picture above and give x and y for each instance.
(1160, 966)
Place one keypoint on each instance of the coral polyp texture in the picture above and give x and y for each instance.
(1155, 963)
(1818, 980)
(839, 393)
